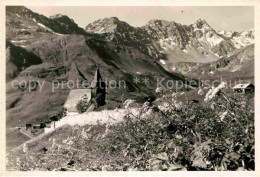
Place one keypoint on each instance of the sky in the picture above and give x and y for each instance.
(237, 18)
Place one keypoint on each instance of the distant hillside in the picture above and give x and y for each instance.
(239, 64)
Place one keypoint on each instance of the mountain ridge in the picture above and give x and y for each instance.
(197, 42)
(165, 36)
(166, 42)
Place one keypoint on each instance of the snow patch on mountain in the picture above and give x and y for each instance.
(167, 43)
(214, 40)
(241, 41)
(20, 41)
(226, 33)
(197, 29)
(58, 34)
(186, 51)
(42, 25)
(163, 62)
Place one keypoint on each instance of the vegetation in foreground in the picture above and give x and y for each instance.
(217, 134)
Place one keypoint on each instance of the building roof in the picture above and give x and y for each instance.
(38, 120)
(74, 97)
(241, 86)
(97, 80)
(37, 125)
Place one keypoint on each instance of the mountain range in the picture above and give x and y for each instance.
(171, 42)
(163, 41)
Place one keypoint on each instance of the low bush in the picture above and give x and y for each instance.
(62, 113)
(216, 135)
(83, 105)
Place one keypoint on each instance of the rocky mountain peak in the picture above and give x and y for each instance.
(200, 20)
(57, 16)
(61, 17)
(20, 11)
(112, 19)
(249, 33)
(201, 24)
(160, 28)
(157, 22)
(17, 9)
(107, 25)
(231, 33)
(58, 23)
(228, 34)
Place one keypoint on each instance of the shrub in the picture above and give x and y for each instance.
(218, 135)
(62, 113)
(83, 105)
(215, 136)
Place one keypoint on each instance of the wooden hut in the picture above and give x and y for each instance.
(244, 88)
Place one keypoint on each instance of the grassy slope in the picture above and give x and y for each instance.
(90, 154)
(24, 106)
(15, 138)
